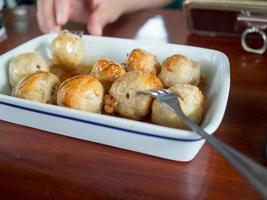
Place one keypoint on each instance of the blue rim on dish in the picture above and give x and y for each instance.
(97, 124)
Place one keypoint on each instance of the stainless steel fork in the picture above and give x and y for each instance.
(254, 172)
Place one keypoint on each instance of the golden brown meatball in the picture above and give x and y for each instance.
(179, 69)
(24, 65)
(192, 103)
(122, 96)
(61, 73)
(82, 92)
(67, 50)
(39, 86)
(84, 69)
(141, 60)
(107, 71)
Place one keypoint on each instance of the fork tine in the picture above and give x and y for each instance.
(149, 92)
(166, 91)
(155, 93)
(160, 92)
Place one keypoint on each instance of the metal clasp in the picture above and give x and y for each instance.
(257, 25)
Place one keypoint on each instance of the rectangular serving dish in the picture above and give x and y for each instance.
(169, 143)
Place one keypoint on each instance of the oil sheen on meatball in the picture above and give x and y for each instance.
(24, 65)
(123, 97)
(179, 69)
(141, 60)
(39, 86)
(192, 103)
(61, 73)
(67, 50)
(82, 92)
(107, 71)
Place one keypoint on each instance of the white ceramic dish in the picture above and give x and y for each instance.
(174, 144)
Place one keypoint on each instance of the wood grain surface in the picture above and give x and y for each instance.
(39, 165)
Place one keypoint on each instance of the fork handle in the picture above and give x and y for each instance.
(254, 172)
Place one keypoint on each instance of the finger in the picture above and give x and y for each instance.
(62, 10)
(79, 11)
(94, 3)
(101, 16)
(46, 15)
(39, 14)
(94, 27)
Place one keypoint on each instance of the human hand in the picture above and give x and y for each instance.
(53, 14)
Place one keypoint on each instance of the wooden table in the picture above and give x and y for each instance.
(38, 165)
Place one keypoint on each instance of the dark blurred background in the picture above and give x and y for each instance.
(13, 3)
(25, 1)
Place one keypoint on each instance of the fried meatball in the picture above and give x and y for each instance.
(107, 71)
(122, 96)
(192, 104)
(82, 92)
(67, 50)
(179, 69)
(141, 60)
(24, 65)
(39, 86)
(61, 73)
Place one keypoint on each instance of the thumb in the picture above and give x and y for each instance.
(102, 15)
(95, 25)
(94, 3)
(62, 9)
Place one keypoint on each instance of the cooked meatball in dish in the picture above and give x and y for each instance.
(123, 97)
(61, 73)
(192, 104)
(179, 69)
(82, 92)
(39, 86)
(107, 71)
(24, 65)
(67, 50)
(141, 60)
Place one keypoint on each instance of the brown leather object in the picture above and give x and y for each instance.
(208, 17)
